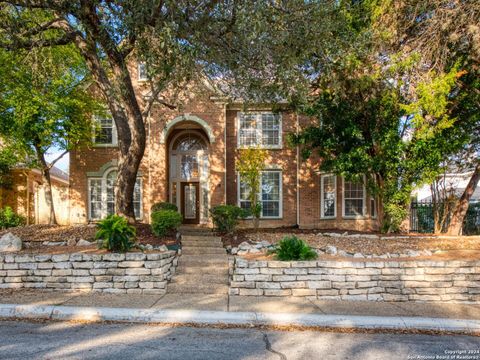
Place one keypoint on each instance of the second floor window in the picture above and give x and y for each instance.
(105, 132)
(260, 129)
(142, 71)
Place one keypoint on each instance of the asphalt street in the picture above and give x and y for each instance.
(64, 340)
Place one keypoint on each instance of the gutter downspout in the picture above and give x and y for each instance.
(298, 172)
(149, 139)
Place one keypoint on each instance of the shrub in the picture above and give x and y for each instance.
(292, 248)
(164, 221)
(164, 206)
(117, 234)
(8, 218)
(226, 217)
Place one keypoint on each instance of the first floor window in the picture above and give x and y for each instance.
(269, 195)
(102, 196)
(329, 196)
(353, 199)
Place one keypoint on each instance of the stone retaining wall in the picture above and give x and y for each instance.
(135, 273)
(419, 280)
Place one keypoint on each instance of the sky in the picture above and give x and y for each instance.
(63, 163)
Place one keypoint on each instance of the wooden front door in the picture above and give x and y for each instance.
(190, 202)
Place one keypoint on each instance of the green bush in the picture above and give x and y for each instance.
(164, 221)
(292, 248)
(226, 217)
(8, 218)
(117, 234)
(164, 206)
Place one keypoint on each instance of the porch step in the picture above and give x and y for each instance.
(201, 238)
(194, 279)
(199, 250)
(220, 289)
(217, 270)
(194, 244)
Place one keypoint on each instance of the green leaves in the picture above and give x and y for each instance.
(116, 233)
(292, 248)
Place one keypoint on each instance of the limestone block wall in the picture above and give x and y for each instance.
(419, 280)
(132, 273)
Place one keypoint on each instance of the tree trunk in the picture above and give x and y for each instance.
(47, 181)
(456, 223)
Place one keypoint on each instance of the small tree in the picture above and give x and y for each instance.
(250, 164)
(44, 106)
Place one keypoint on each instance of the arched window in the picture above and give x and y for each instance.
(102, 195)
(189, 143)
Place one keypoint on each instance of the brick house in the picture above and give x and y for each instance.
(190, 161)
(25, 194)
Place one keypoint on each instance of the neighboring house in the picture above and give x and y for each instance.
(25, 194)
(190, 161)
(450, 183)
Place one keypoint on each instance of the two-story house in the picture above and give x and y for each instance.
(190, 161)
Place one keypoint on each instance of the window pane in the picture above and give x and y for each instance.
(190, 143)
(104, 134)
(248, 129)
(270, 193)
(353, 198)
(142, 71)
(270, 129)
(329, 195)
(373, 209)
(137, 198)
(189, 166)
(95, 198)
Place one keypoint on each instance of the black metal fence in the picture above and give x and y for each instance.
(422, 218)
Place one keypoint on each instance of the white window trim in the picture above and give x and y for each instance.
(104, 196)
(364, 207)
(280, 194)
(322, 208)
(114, 142)
(139, 78)
(259, 131)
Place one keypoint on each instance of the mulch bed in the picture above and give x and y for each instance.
(37, 234)
(360, 245)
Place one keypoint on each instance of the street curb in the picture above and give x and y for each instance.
(159, 316)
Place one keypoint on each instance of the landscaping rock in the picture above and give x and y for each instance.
(10, 243)
(358, 255)
(234, 251)
(54, 243)
(427, 253)
(413, 253)
(71, 242)
(162, 248)
(242, 252)
(254, 251)
(265, 243)
(83, 242)
(342, 253)
(331, 250)
(245, 246)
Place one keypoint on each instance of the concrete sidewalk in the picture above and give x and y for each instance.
(226, 303)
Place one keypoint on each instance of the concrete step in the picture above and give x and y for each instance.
(201, 263)
(201, 238)
(202, 250)
(202, 243)
(217, 269)
(173, 288)
(195, 279)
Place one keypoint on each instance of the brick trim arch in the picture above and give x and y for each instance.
(186, 117)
